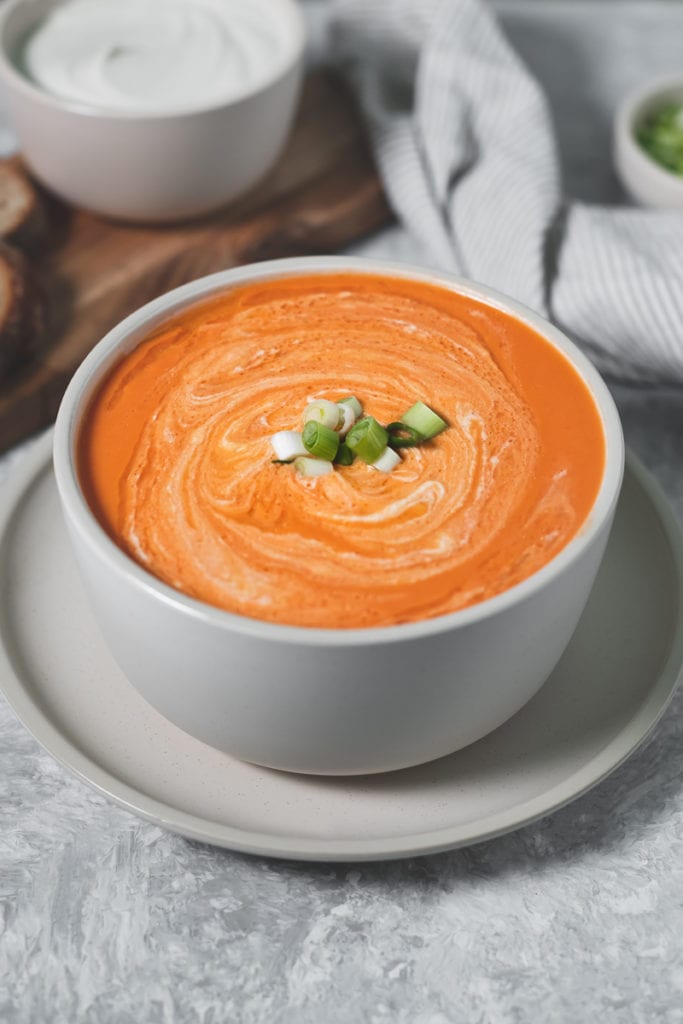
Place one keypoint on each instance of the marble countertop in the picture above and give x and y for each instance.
(109, 920)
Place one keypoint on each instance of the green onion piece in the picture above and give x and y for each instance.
(320, 441)
(403, 436)
(367, 439)
(313, 467)
(347, 421)
(354, 403)
(322, 411)
(344, 456)
(423, 419)
(388, 461)
(287, 445)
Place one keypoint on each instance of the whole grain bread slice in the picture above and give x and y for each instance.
(21, 212)
(22, 311)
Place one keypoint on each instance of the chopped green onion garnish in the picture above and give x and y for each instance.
(331, 434)
(320, 441)
(388, 461)
(423, 419)
(327, 414)
(353, 402)
(661, 135)
(403, 436)
(344, 456)
(367, 439)
(313, 467)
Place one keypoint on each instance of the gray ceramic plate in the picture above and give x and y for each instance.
(601, 702)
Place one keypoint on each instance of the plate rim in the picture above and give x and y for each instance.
(202, 829)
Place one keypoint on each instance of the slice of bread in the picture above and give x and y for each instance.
(21, 214)
(22, 311)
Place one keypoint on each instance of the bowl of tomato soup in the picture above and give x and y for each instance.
(382, 597)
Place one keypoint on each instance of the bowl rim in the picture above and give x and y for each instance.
(289, 57)
(130, 331)
(627, 113)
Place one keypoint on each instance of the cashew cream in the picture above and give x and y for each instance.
(156, 56)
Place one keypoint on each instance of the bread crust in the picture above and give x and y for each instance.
(22, 311)
(22, 218)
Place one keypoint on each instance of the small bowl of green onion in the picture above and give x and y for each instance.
(648, 143)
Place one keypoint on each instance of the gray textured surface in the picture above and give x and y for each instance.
(578, 918)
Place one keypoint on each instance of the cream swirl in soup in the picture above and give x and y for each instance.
(177, 463)
(152, 56)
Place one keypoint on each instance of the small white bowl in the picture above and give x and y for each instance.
(150, 167)
(330, 701)
(644, 178)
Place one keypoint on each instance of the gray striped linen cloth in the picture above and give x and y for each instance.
(464, 142)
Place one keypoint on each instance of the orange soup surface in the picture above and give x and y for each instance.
(176, 460)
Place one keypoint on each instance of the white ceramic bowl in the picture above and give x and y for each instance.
(644, 179)
(324, 700)
(150, 167)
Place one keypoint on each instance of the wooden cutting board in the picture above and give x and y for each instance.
(323, 195)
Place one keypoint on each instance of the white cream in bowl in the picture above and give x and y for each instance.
(154, 55)
(151, 110)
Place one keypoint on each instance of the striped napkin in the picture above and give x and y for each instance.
(465, 145)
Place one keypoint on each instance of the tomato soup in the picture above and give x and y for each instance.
(176, 462)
